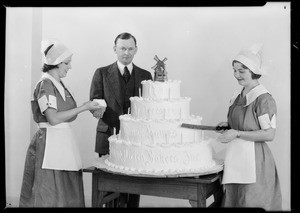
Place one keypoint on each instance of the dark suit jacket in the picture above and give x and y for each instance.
(106, 85)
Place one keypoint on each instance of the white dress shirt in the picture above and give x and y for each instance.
(122, 66)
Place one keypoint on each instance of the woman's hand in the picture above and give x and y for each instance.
(223, 123)
(91, 105)
(96, 109)
(54, 117)
(228, 135)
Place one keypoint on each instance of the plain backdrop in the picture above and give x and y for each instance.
(199, 43)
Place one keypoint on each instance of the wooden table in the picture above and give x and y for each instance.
(107, 186)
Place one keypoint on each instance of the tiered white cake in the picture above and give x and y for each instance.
(151, 139)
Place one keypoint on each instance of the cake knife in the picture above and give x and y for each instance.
(203, 127)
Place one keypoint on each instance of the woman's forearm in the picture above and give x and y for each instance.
(259, 135)
(55, 117)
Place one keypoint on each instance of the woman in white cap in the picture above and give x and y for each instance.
(52, 173)
(250, 177)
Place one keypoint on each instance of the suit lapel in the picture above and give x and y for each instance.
(114, 80)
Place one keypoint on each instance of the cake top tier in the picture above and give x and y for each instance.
(161, 90)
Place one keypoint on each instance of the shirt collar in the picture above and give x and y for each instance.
(122, 66)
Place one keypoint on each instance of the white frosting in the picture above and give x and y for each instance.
(161, 90)
(158, 132)
(151, 139)
(142, 108)
(179, 158)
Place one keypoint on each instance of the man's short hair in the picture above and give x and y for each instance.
(125, 36)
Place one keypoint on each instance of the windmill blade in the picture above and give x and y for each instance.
(156, 58)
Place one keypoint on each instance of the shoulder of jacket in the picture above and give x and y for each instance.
(141, 70)
(103, 69)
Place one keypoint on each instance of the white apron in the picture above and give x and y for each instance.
(239, 164)
(61, 151)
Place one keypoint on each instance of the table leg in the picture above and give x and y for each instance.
(123, 200)
(218, 194)
(95, 198)
(201, 195)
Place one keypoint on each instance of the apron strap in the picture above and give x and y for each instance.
(60, 125)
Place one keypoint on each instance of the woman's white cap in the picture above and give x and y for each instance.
(54, 52)
(251, 58)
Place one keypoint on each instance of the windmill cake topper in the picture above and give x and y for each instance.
(160, 73)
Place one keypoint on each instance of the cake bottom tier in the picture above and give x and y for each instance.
(186, 158)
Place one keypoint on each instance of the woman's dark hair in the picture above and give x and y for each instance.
(47, 67)
(125, 36)
(253, 75)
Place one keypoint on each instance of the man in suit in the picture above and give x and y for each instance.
(116, 83)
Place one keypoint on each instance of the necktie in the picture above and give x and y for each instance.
(126, 74)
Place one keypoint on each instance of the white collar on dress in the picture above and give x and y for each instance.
(254, 93)
(58, 86)
(251, 95)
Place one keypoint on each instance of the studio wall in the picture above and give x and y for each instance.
(198, 42)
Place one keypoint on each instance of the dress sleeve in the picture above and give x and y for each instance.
(46, 96)
(266, 111)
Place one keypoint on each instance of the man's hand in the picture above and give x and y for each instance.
(99, 112)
